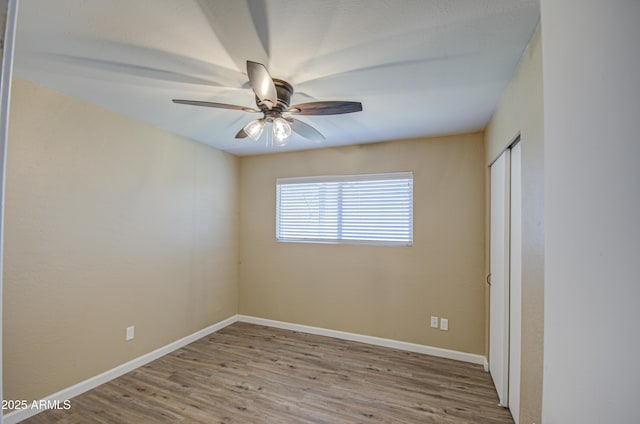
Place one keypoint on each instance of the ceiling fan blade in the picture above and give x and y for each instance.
(213, 104)
(325, 108)
(262, 84)
(305, 130)
(242, 134)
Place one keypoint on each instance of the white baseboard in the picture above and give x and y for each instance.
(378, 341)
(93, 382)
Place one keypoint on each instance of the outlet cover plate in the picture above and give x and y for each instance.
(444, 324)
(434, 322)
(130, 333)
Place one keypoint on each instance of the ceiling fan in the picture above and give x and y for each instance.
(272, 98)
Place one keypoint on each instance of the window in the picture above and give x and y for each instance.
(374, 209)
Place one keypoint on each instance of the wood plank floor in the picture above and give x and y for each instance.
(246, 373)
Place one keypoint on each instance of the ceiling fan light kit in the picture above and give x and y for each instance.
(281, 130)
(254, 128)
(272, 98)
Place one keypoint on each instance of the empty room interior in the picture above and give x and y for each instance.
(357, 211)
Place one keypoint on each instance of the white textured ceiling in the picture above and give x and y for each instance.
(419, 67)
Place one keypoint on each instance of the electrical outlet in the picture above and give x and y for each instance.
(444, 324)
(434, 322)
(130, 333)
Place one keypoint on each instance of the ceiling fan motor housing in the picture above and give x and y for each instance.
(284, 90)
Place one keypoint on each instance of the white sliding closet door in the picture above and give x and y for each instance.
(506, 278)
(499, 290)
(515, 282)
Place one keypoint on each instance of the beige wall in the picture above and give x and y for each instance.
(109, 223)
(521, 112)
(379, 291)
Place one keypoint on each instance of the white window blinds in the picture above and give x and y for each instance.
(350, 209)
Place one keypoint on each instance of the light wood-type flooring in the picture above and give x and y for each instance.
(247, 373)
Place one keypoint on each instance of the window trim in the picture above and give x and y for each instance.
(379, 176)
